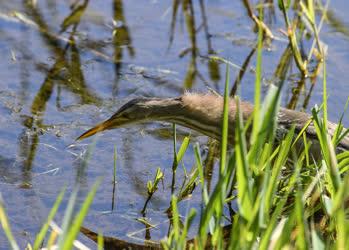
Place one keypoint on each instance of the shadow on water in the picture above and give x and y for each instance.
(88, 60)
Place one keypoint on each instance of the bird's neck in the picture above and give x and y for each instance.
(203, 113)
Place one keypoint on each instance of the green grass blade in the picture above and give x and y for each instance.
(6, 226)
(271, 225)
(183, 148)
(188, 188)
(224, 141)
(79, 218)
(188, 222)
(257, 89)
(175, 218)
(100, 241)
(267, 125)
(41, 235)
(301, 241)
(328, 154)
(214, 199)
(243, 175)
(199, 164)
(280, 161)
(324, 96)
(67, 217)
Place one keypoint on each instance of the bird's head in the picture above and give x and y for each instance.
(138, 110)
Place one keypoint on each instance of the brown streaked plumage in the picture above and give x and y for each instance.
(202, 113)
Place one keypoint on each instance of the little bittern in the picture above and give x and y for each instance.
(202, 113)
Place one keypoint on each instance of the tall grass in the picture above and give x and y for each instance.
(285, 197)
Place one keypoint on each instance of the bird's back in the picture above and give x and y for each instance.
(209, 109)
(287, 118)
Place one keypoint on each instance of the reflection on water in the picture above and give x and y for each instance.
(121, 40)
(67, 65)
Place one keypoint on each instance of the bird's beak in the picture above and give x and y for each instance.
(108, 124)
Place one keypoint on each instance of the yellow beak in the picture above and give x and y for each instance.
(99, 128)
(108, 124)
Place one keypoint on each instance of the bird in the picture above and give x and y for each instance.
(203, 113)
